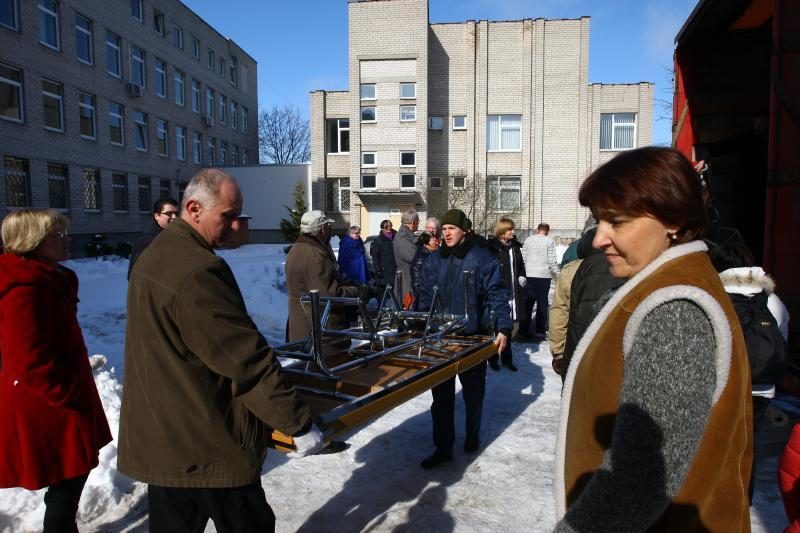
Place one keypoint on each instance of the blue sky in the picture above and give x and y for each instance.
(301, 45)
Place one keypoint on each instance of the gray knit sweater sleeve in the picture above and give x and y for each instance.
(666, 397)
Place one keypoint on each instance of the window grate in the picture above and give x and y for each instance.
(57, 185)
(18, 183)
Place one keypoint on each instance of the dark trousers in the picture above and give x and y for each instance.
(506, 356)
(537, 290)
(473, 387)
(233, 510)
(61, 504)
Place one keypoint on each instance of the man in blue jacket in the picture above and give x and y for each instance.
(487, 301)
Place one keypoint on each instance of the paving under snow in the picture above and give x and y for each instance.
(375, 485)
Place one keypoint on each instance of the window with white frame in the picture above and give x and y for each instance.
(144, 194)
(234, 71)
(10, 93)
(53, 105)
(617, 131)
(436, 182)
(223, 67)
(161, 78)
(408, 91)
(113, 54)
(197, 147)
(88, 118)
(212, 151)
(142, 132)
(138, 62)
(212, 62)
(17, 174)
(223, 153)
(368, 91)
(408, 181)
(83, 39)
(503, 193)
(177, 36)
(162, 137)
(243, 121)
(180, 143)
(9, 14)
(408, 113)
(57, 190)
(459, 183)
(459, 122)
(435, 123)
(91, 189)
(338, 135)
(503, 133)
(408, 158)
(223, 109)
(368, 114)
(158, 22)
(338, 195)
(119, 187)
(368, 181)
(49, 32)
(369, 159)
(195, 95)
(209, 102)
(196, 48)
(180, 87)
(234, 115)
(137, 11)
(234, 155)
(244, 156)
(116, 123)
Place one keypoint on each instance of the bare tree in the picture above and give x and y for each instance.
(283, 136)
(479, 202)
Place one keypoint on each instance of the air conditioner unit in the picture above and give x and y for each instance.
(208, 121)
(133, 89)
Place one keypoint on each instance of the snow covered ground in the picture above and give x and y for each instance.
(375, 485)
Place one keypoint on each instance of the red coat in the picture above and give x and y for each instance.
(52, 424)
(789, 480)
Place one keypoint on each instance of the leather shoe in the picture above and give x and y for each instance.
(494, 366)
(510, 366)
(435, 460)
(471, 444)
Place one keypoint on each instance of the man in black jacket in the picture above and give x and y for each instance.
(165, 211)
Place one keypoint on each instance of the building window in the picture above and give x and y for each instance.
(138, 61)
(180, 87)
(408, 90)
(503, 193)
(83, 39)
(617, 131)
(408, 159)
(234, 115)
(244, 119)
(503, 133)
(223, 67)
(161, 78)
(368, 181)
(196, 48)
(119, 187)
(223, 153)
(435, 123)
(459, 183)
(223, 109)
(158, 22)
(459, 122)
(177, 36)
(244, 156)
(10, 93)
(53, 103)
(116, 123)
(195, 95)
(368, 114)
(142, 135)
(9, 14)
(91, 189)
(197, 148)
(212, 149)
(209, 102)
(18, 182)
(180, 143)
(164, 189)
(436, 182)
(57, 190)
(48, 24)
(368, 91)
(234, 70)
(144, 194)
(211, 59)
(113, 55)
(338, 135)
(234, 155)
(408, 113)
(136, 10)
(338, 195)
(369, 159)
(408, 181)
(88, 117)
(162, 137)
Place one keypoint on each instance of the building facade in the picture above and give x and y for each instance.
(108, 105)
(495, 118)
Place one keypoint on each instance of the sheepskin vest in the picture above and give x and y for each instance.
(714, 494)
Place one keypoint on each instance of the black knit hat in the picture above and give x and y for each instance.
(456, 217)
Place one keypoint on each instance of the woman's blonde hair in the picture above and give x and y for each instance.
(24, 230)
(502, 226)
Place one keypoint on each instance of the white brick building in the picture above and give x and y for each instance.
(496, 118)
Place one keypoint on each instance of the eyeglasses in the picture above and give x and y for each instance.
(170, 214)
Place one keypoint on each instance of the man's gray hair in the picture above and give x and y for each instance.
(204, 187)
(409, 216)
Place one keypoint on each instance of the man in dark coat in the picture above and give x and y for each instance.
(405, 248)
(382, 253)
(202, 385)
(488, 311)
(165, 211)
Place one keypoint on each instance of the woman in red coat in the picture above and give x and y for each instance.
(52, 423)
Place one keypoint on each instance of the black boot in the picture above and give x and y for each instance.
(472, 444)
(494, 366)
(436, 459)
(509, 365)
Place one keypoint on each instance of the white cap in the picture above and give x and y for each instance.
(313, 220)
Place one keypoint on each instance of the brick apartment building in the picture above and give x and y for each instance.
(494, 117)
(108, 105)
